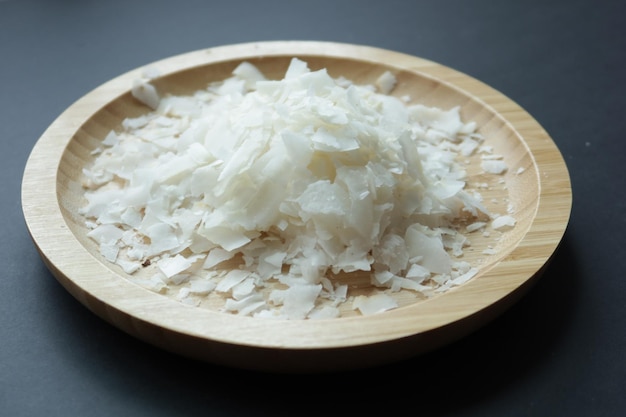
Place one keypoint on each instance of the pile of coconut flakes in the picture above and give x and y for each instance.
(262, 191)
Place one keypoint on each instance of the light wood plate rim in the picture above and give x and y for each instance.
(210, 335)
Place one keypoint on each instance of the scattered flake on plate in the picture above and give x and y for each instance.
(493, 166)
(386, 82)
(475, 226)
(503, 222)
(374, 304)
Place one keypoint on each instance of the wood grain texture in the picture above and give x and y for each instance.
(541, 195)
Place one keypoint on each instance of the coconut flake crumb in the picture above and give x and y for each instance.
(146, 93)
(374, 304)
(475, 226)
(307, 178)
(503, 222)
(494, 166)
(386, 82)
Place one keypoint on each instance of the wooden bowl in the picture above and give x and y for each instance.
(536, 184)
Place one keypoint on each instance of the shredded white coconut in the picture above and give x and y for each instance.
(254, 181)
(374, 304)
(503, 222)
(386, 82)
(494, 166)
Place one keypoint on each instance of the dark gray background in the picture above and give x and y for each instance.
(558, 352)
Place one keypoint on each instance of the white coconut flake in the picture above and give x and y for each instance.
(216, 256)
(386, 82)
(462, 279)
(231, 279)
(252, 182)
(173, 266)
(503, 222)
(201, 287)
(109, 250)
(154, 283)
(146, 93)
(297, 301)
(245, 306)
(130, 267)
(374, 304)
(494, 166)
(475, 226)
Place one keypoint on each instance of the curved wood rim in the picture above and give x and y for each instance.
(210, 335)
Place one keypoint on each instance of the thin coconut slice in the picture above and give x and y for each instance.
(374, 304)
(503, 222)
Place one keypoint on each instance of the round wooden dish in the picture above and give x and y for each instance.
(537, 185)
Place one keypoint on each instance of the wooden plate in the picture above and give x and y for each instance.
(536, 184)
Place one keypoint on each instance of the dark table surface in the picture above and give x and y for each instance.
(560, 351)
